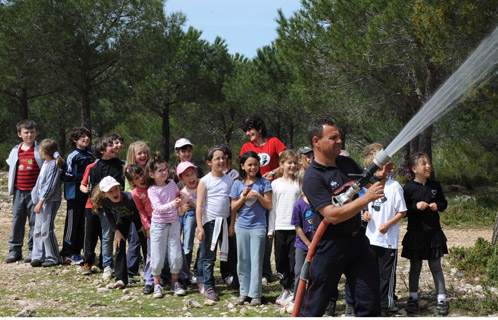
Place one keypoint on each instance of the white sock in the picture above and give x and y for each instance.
(441, 298)
(414, 295)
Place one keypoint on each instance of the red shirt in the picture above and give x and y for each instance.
(85, 181)
(268, 153)
(27, 169)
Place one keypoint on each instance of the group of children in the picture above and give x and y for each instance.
(159, 210)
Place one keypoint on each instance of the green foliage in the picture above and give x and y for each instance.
(479, 211)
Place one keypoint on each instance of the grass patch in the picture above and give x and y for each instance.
(478, 211)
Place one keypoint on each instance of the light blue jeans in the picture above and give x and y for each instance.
(107, 241)
(250, 254)
(188, 225)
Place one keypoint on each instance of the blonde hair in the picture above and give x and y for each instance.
(97, 196)
(130, 154)
(370, 152)
(50, 147)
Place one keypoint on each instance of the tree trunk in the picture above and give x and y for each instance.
(494, 238)
(85, 108)
(166, 131)
(23, 103)
(425, 142)
(62, 140)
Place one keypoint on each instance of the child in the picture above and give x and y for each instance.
(305, 157)
(424, 239)
(108, 165)
(213, 209)
(74, 226)
(24, 167)
(120, 211)
(135, 175)
(183, 152)
(139, 153)
(382, 230)
(251, 197)
(165, 227)
(285, 194)
(187, 174)
(47, 196)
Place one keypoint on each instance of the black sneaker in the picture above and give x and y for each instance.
(35, 263)
(48, 264)
(442, 309)
(148, 289)
(12, 258)
(412, 306)
(384, 313)
(27, 259)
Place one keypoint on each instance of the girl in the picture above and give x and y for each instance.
(285, 194)
(424, 239)
(251, 197)
(135, 175)
(183, 153)
(165, 226)
(120, 211)
(213, 209)
(47, 196)
(138, 153)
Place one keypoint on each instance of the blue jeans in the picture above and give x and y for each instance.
(188, 225)
(208, 257)
(250, 254)
(107, 241)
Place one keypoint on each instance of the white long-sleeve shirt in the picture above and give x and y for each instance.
(284, 196)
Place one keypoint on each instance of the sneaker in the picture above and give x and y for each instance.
(148, 289)
(119, 284)
(442, 309)
(95, 269)
(86, 270)
(131, 279)
(35, 263)
(241, 300)
(76, 259)
(12, 258)
(384, 313)
(264, 281)
(210, 294)
(158, 291)
(48, 264)
(177, 289)
(187, 284)
(255, 302)
(283, 297)
(107, 275)
(28, 258)
(193, 280)
(289, 298)
(411, 306)
(228, 281)
(200, 286)
(393, 309)
(330, 311)
(349, 310)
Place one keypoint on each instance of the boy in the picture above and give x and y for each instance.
(76, 163)
(24, 167)
(108, 165)
(382, 230)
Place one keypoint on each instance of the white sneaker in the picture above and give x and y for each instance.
(119, 284)
(158, 291)
(95, 269)
(264, 281)
(177, 289)
(289, 298)
(283, 297)
(107, 275)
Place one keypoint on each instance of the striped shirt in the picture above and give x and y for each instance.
(162, 200)
(27, 169)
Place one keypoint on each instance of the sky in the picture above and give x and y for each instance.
(246, 25)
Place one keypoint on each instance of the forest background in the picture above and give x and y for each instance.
(125, 66)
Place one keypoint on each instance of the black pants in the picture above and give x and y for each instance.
(229, 267)
(267, 272)
(74, 227)
(93, 232)
(134, 246)
(120, 266)
(285, 257)
(386, 260)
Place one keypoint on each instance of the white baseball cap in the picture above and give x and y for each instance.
(107, 183)
(182, 142)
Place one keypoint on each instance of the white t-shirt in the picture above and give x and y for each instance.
(284, 196)
(382, 210)
(217, 203)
